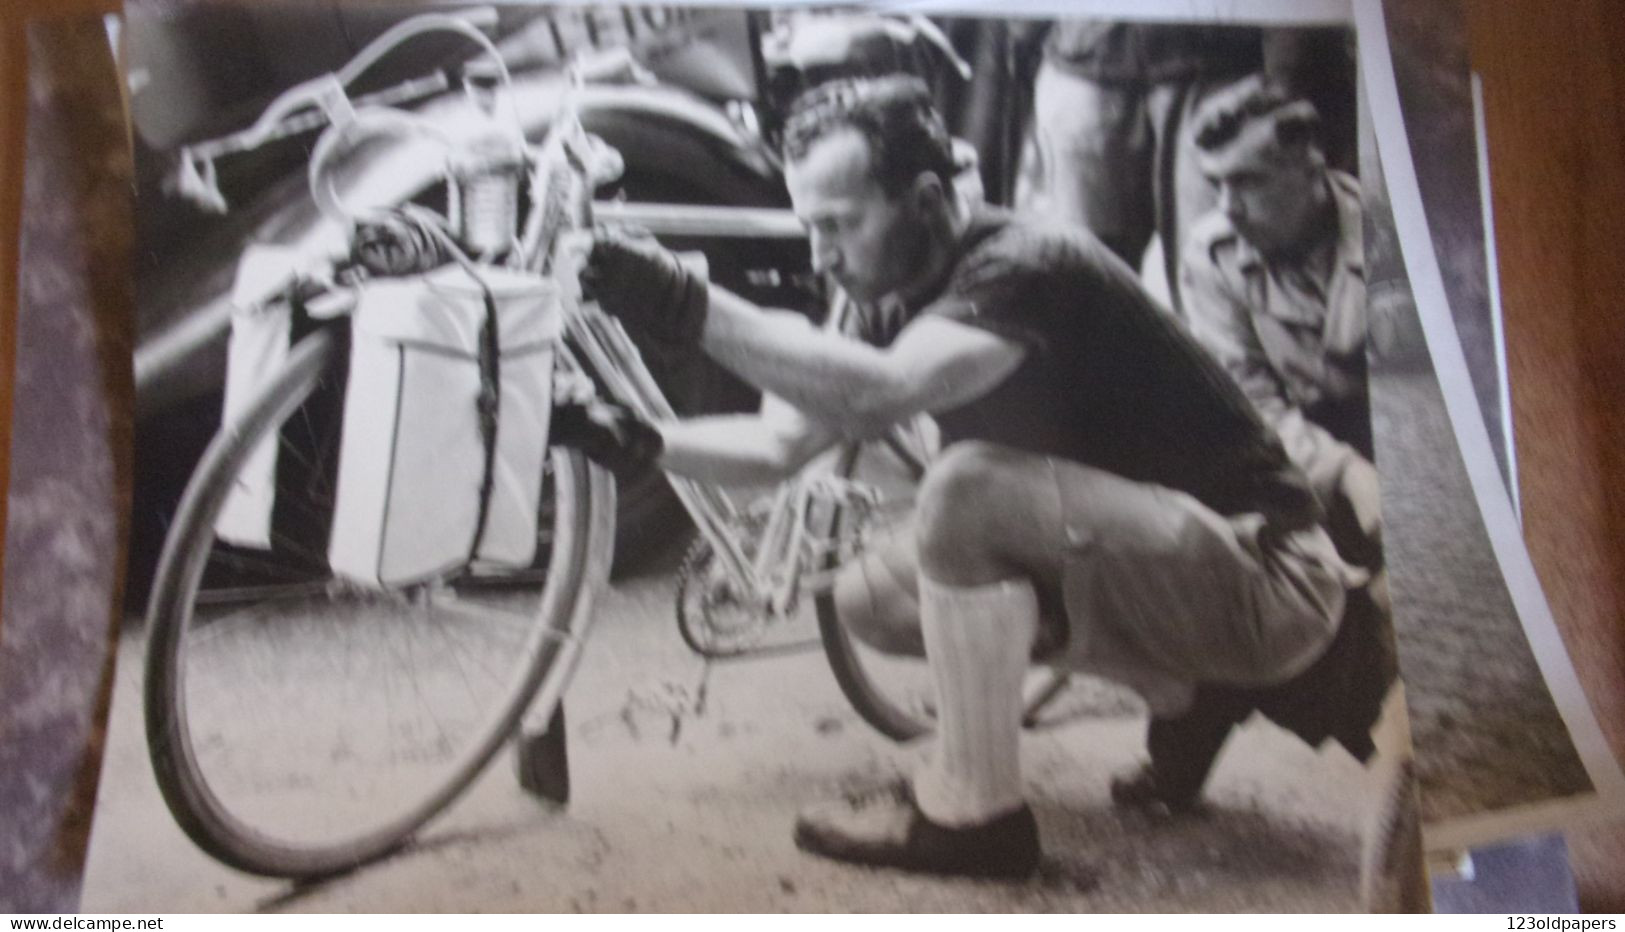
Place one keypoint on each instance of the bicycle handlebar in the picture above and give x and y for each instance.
(362, 123)
(328, 91)
(292, 111)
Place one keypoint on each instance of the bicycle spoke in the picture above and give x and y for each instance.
(454, 649)
(412, 642)
(260, 564)
(458, 636)
(286, 448)
(295, 548)
(205, 628)
(483, 612)
(1050, 688)
(234, 576)
(263, 593)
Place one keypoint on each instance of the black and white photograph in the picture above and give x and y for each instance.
(665, 459)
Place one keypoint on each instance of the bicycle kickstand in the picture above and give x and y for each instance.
(544, 760)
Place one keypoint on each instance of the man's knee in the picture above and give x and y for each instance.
(985, 513)
(958, 498)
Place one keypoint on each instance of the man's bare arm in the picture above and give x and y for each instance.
(744, 448)
(935, 363)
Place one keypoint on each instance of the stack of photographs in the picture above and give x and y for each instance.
(376, 647)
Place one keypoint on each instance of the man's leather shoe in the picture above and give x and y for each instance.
(887, 829)
(1141, 790)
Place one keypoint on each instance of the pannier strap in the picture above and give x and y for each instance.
(488, 404)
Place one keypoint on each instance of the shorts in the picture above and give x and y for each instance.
(1157, 591)
(1158, 587)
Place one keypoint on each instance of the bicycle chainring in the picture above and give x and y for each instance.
(715, 622)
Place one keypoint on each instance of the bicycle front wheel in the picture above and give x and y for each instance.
(299, 726)
(893, 693)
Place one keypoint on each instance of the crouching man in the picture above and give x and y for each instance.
(1106, 494)
(1274, 286)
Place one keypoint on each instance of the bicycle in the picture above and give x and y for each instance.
(432, 676)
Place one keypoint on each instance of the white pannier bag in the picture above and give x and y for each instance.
(414, 460)
(261, 323)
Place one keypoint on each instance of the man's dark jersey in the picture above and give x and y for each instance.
(1110, 380)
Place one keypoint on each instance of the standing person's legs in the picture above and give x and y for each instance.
(1091, 160)
(1181, 192)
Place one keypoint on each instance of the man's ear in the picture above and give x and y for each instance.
(928, 194)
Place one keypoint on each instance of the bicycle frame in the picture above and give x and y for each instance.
(771, 578)
(771, 574)
(762, 571)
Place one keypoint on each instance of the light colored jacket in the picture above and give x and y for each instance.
(1289, 345)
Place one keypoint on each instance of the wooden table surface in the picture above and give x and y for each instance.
(1554, 93)
(1554, 83)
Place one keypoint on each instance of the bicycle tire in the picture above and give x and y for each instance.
(882, 711)
(197, 795)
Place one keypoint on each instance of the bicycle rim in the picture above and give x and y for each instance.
(893, 694)
(299, 728)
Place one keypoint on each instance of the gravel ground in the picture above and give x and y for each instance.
(701, 822)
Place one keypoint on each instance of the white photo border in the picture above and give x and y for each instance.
(1421, 262)
(1494, 503)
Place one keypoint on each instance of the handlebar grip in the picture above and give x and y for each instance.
(325, 98)
(606, 66)
(368, 122)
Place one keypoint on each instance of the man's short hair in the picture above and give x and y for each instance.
(1256, 123)
(896, 116)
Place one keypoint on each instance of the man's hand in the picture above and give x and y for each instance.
(1362, 490)
(1356, 514)
(638, 280)
(609, 434)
